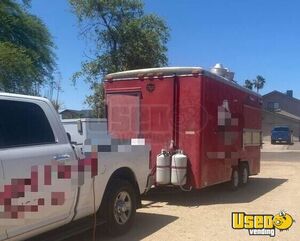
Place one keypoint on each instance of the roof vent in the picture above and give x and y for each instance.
(218, 69)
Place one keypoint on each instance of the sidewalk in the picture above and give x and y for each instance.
(268, 147)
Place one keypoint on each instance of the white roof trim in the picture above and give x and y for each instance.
(155, 71)
(170, 72)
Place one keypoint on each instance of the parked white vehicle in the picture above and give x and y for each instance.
(85, 128)
(43, 183)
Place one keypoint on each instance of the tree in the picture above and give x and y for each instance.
(27, 60)
(97, 100)
(55, 86)
(257, 83)
(248, 84)
(124, 37)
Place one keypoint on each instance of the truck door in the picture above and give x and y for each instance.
(37, 159)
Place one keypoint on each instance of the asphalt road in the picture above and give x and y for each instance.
(206, 214)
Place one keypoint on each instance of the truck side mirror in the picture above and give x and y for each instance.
(69, 137)
(79, 127)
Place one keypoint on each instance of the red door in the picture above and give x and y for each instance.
(123, 115)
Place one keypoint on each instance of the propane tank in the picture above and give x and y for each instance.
(179, 169)
(163, 168)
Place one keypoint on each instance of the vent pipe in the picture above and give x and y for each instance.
(219, 69)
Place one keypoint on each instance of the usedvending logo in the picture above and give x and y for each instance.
(262, 224)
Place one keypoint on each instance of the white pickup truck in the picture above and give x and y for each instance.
(44, 185)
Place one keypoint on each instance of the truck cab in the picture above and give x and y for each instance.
(45, 185)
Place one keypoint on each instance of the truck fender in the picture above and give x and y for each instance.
(124, 173)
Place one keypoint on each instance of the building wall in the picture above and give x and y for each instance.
(286, 103)
(271, 119)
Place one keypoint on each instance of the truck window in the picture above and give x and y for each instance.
(23, 124)
(281, 129)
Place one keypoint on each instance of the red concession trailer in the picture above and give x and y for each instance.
(201, 126)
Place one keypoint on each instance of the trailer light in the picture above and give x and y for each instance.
(196, 72)
(160, 75)
(141, 76)
(150, 87)
(109, 79)
(150, 76)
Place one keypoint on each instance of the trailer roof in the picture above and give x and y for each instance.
(171, 71)
(154, 71)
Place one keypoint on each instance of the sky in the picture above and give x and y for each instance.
(250, 37)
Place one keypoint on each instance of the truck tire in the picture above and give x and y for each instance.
(121, 207)
(235, 179)
(244, 174)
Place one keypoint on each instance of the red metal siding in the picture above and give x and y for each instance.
(156, 118)
(205, 117)
(190, 125)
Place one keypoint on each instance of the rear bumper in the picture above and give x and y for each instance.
(280, 140)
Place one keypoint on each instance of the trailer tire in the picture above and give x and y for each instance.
(235, 179)
(121, 207)
(244, 174)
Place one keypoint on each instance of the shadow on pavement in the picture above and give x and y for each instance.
(144, 225)
(219, 194)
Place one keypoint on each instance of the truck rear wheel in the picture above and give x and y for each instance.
(244, 174)
(121, 207)
(235, 179)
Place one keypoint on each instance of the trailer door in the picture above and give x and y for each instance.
(123, 114)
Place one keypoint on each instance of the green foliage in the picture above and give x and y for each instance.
(26, 57)
(248, 84)
(27, 2)
(257, 83)
(16, 69)
(124, 38)
(97, 100)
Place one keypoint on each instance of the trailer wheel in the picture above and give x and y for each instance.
(235, 179)
(121, 207)
(244, 174)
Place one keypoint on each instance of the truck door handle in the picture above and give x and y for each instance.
(62, 158)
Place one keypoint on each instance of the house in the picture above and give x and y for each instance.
(280, 109)
(75, 114)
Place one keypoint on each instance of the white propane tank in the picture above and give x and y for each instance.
(179, 169)
(163, 168)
